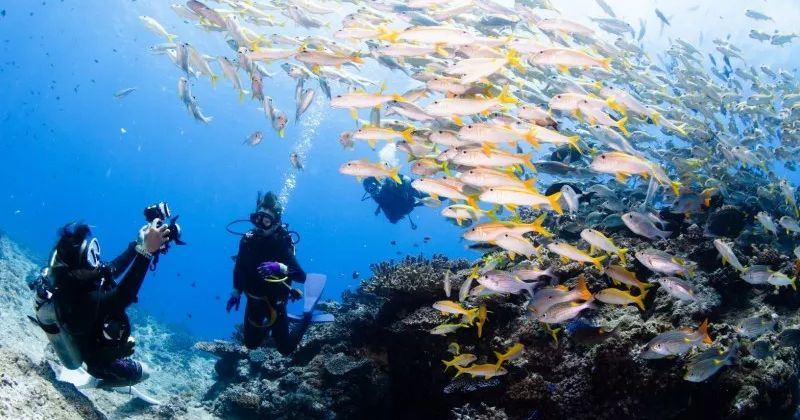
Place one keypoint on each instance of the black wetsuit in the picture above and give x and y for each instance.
(395, 200)
(92, 308)
(266, 301)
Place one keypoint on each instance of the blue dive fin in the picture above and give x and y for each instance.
(317, 317)
(314, 285)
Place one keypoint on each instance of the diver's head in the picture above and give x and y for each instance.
(372, 185)
(76, 248)
(267, 216)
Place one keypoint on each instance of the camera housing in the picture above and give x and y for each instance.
(161, 211)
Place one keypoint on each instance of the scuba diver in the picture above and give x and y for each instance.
(265, 269)
(81, 307)
(395, 200)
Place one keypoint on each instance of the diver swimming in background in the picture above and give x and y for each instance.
(265, 269)
(81, 307)
(396, 200)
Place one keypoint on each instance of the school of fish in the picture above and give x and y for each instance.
(496, 90)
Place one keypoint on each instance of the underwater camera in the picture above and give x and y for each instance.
(161, 211)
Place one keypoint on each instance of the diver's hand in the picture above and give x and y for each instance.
(152, 237)
(272, 269)
(295, 294)
(233, 302)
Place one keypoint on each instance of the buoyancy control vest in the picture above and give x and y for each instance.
(47, 317)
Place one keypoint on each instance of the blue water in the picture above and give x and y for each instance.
(64, 156)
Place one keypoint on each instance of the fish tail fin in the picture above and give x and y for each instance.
(621, 125)
(676, 188)
(357, 59)
(597, 261)
(513, 58)
(583, 291)
(554, 204)
(446, 169)
(505, 97)
(459, 369)
(500, 358)
(441, 51)
(387, 35)
(447, 364)
(171, 38)
(492, 214)
(681, 130)
(640, 299)
(573, 141)
(242, 94)
(793, 282)
(406, 134)
(530, 137)
(530, 184)
(472, 201)
(538, 228)
(606, 62)
(471, 315)
(393, 173)
(703, 329)
(528, 161)
(656, 117)
(707, 196)
(214, 79)
(621, 255)
(613, 104)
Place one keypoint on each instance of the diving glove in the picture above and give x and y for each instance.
(152, 237)
(233, 302)
(272, 269)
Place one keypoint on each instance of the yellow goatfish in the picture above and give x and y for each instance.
(455, 308)
(373, 134)
(362, 169)
(486, 232)
(460, 360)
(456, 108)
(512, 197)
(619, 274)
(565, 58)
(487, 371)
(597, 240)
(512, 353)
(569, 252)
(620, 297)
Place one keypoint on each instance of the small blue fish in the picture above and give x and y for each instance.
(662, 17)
(124, 92)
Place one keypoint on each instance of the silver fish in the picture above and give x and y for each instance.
(306, 98)
(640, 224)
(505, 282)
(756, 326)
(709, 362)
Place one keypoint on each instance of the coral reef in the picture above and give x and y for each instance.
(378, 359)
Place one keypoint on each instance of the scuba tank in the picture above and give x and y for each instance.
(62, 341)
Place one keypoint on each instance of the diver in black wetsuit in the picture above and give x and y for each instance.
(265, 269)
(82, 308)
(395, 200)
